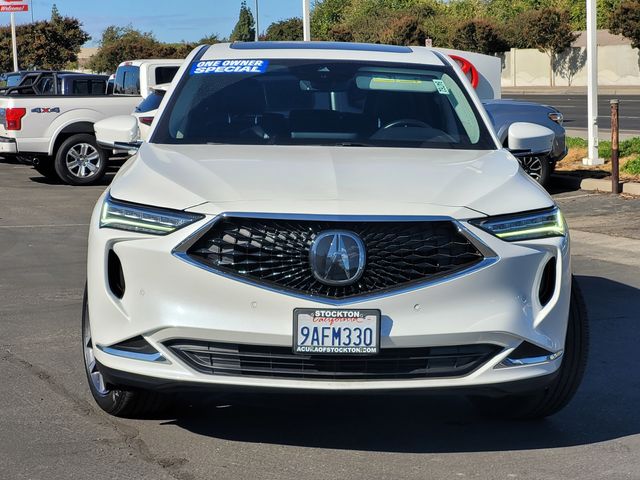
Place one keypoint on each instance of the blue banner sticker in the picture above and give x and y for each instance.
(229, 66)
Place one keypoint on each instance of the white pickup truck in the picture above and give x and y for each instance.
(55, 132)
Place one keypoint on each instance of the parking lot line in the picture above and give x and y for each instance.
(63, 225)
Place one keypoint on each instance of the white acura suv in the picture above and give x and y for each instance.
(326, 217)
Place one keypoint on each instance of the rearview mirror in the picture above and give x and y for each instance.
(530, 139)
(120, 132)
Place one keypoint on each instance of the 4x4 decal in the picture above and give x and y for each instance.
(45, 110)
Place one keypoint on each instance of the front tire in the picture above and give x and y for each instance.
(80, 161)
(555, 396)
(114, 400)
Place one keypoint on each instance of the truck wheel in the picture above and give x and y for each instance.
(538, 168)
(79, 160)
(555, 396)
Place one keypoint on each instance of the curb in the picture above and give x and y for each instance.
(604, 185)
(603, 134)
(542, 90)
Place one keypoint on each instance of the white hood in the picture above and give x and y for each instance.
(328, 180)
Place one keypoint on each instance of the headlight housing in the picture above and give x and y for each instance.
(556, 117)
(142, 218)
(525, 226)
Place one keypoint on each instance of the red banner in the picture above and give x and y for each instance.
(14, 8)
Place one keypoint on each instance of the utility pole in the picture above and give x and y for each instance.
(13, 42)
(257, 36)
(592, 87)
(306, 21)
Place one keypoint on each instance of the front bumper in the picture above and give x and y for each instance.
(8, 146)
(168, 299)
(560, 149)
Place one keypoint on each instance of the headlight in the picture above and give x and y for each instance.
(556, 117)
(144, 219)
(525, 226)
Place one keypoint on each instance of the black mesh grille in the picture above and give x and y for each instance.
(281, 362)
(276, 253)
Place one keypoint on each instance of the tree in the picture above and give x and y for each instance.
(466, 9)
(52, 44)
(57, 43)
(549, 31)
(625, 20)
(245, 29)
(383, 21)
(126, 43)
(210, 39)
(326, 16)
(479, 36)
(404, 30)
(606, 8)
(290, 29)
(503, 11)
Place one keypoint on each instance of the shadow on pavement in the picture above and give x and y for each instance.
(604, 408)
(106, 180)
(562, 183)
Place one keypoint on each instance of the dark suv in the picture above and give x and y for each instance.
(55, 83)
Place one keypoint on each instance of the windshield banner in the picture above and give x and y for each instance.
(229, 66)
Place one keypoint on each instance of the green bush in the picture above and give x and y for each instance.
(631, 146)
(576, 142)
(604, 149)
(632, 166)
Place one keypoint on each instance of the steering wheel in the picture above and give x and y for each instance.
(406, 122)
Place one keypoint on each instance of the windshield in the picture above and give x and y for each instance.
(315, 102)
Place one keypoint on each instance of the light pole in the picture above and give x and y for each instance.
(592, 87)
(14, 44)
(306, 21)
(257, 35)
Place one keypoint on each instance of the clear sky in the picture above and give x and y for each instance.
(169, 20)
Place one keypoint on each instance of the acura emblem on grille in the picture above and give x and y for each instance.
(337, 257)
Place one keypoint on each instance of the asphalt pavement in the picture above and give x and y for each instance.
(51, 429)
(574, 110)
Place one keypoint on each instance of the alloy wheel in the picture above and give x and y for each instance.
(533, 166)
(83, 160)
(90, 361)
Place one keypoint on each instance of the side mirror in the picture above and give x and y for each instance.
(530, 139)
(120, 132)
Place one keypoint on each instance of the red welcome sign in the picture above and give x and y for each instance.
(14, 6)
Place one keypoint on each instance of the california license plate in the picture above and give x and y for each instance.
(336, 331)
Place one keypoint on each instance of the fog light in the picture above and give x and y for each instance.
(136, 348)
(528, 354)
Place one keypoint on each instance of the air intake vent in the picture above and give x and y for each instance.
(281, 362)
(547, 282)
(115, 274)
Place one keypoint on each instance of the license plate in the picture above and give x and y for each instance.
(336, 331)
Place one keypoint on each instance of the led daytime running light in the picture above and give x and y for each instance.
(139, 218)
(527, 226)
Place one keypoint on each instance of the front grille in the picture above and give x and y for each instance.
(281, 362)
(275, 253)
